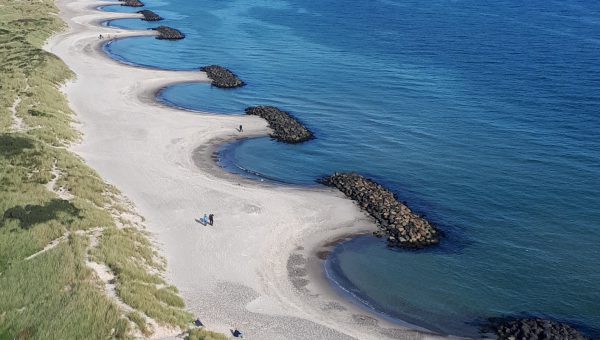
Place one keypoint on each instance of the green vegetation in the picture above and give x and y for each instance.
(47, 289)
(140, 322)
(54, 297)
(203, 334)
(129, 255)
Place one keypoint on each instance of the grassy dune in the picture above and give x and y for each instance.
(202, 334)
(54, 294)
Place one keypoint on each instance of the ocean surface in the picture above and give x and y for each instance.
(485, 116)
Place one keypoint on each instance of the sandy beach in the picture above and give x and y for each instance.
(256, 268)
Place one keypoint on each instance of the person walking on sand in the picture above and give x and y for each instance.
(100, 36)
(205, 220)
(241, 130)
(211, 219)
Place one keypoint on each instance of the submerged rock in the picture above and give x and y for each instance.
(222, 77)
(132, 3)
(285, 127)
(402, 227)
(149, 15)
(168, 33)
(534, 329)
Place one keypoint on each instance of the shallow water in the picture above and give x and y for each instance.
(484, 116)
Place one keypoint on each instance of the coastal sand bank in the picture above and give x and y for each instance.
(256, 269)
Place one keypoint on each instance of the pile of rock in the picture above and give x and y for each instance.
(402, 227)
(168, 33)
(149, 15)
(222, 77)
(132, 3)
(535, 329)
(285, 127)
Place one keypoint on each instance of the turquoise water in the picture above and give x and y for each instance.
(484, 116)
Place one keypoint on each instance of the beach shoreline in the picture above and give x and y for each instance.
(258, 268)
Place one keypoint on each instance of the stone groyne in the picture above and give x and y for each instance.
(168, 33)
(149, 15)
(285, 127)
(533, 328)
(222, 77)
(132, 3)
(402, 227)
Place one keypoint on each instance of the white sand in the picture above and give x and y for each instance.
(235, 273)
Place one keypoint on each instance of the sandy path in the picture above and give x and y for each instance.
(237, 273)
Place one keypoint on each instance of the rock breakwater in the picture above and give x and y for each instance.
(534, 329)
(402, 227)
(168, 33)
(132, 3)
(222, 77)
(149, 15)
(285, 127)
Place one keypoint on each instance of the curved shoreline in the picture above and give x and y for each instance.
(362, 300)
(155, 172)
(210, 150)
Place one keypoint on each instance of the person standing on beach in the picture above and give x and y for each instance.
(205, 220)
(241, 130)
(211, 219)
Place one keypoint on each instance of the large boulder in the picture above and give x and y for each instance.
(168, 33)
(285, 127)
(533, 329)
(222, 77)
(132, 3)
(403, 227)
(149, 15)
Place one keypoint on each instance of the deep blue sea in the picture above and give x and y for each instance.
(483, 115)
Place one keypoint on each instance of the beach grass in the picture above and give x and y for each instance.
(140, 322)
(47, 290)
(203, 334)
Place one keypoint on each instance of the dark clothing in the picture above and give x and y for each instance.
(211, 219)
(241, 129)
